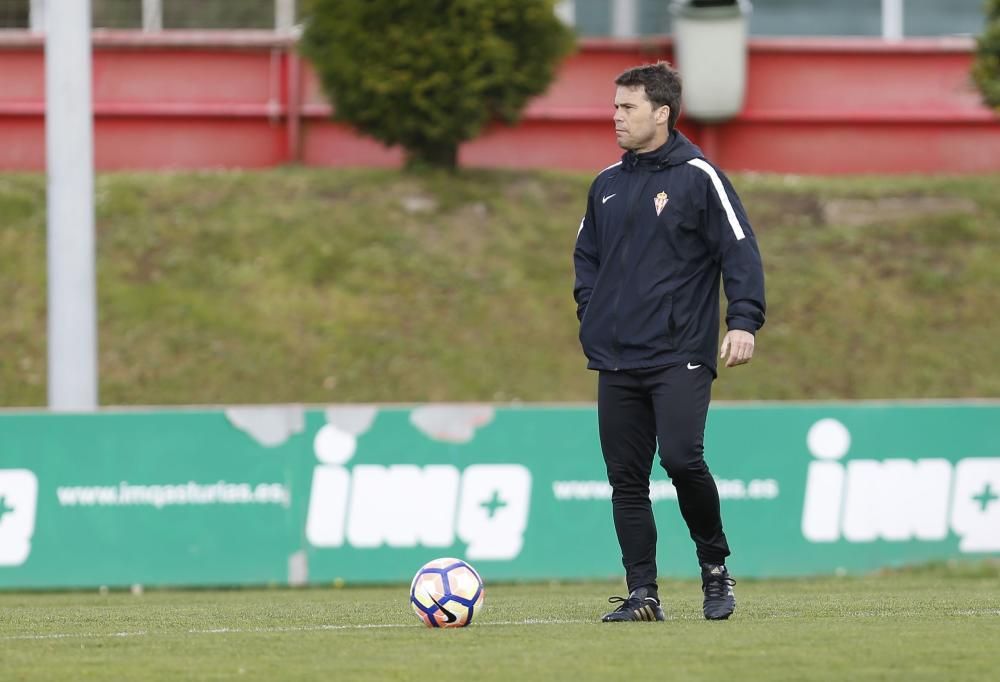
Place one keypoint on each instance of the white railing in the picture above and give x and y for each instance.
(892, 20)
(151, 13)
(619, 18)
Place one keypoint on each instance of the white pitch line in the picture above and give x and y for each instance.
(372, 626)
(76, 635)
(306, 628)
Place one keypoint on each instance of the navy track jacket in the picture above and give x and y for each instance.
(660, 229)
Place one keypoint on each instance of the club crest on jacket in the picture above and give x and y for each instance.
(660, 201)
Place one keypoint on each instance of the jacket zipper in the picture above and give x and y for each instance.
(626, 243)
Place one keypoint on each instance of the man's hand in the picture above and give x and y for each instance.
(739, 345)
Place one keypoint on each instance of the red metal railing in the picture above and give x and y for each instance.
(245, 99)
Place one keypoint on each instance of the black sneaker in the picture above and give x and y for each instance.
(717, 587)
(638, 606)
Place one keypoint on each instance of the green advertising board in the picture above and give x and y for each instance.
(292, 495)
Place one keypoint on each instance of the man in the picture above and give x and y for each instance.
(662, 225)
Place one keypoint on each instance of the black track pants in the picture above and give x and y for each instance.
(635, 408)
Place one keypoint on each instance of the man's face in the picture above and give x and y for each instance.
(637, 122)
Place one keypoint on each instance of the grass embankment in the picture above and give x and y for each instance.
(304, 285)
(923, 625)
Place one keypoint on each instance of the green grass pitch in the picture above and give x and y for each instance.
(930, 624)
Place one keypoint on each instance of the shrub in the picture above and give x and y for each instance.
(430, 74)
(986, 69)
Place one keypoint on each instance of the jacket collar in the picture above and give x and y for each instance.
(675, 151)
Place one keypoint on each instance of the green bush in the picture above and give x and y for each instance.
(986, 69)
(430, 74)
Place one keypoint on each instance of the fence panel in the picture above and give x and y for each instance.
(367, 494)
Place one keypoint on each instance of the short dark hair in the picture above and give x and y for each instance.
(662, 83)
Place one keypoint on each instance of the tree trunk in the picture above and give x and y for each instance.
(442, 156)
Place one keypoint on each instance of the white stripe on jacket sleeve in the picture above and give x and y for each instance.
(723, 197)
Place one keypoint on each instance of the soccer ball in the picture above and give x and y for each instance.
(446, 593)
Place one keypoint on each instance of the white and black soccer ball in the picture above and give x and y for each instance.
(447, 593)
